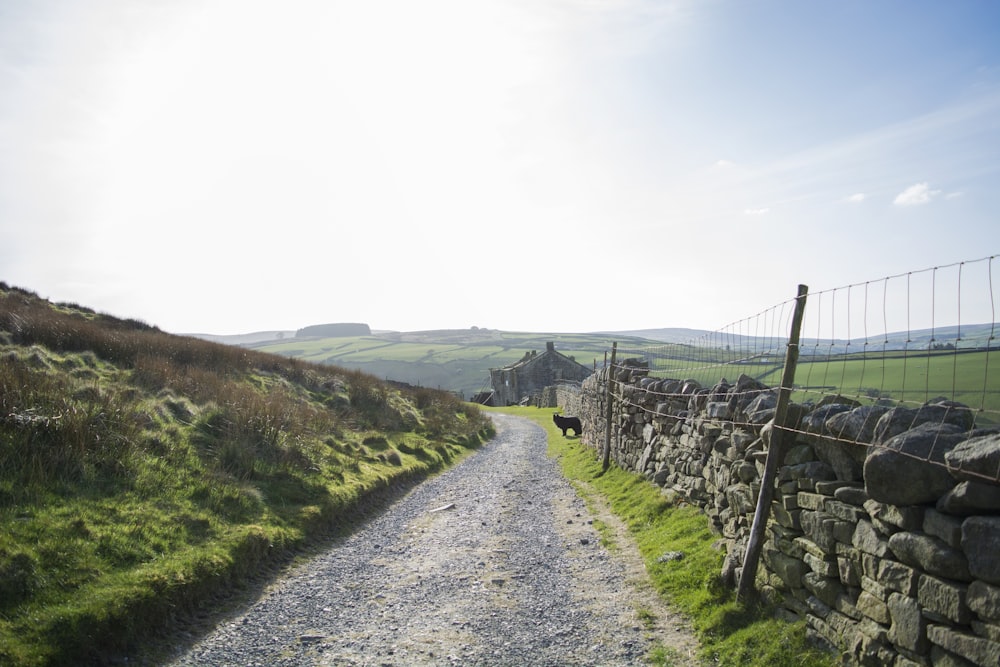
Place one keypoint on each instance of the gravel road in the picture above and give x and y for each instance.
(493, 562)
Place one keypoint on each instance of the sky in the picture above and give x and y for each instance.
(231, 166)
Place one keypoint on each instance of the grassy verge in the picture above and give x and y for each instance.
(143, 474)
(729, 633)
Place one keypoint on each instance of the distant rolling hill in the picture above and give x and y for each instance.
(244, 339)
(460, 360)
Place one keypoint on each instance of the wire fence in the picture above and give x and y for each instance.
(896, 352)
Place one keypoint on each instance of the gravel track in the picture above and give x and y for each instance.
(493, 562)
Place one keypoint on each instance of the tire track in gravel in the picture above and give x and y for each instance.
(493, 562)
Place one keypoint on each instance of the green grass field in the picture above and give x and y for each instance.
(458, 361)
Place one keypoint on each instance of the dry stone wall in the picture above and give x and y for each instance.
(890, 559)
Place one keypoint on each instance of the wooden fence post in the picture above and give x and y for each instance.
(608, 395)
(775, 454)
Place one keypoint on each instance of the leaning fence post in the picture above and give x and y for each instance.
(775, 453)
(608, 394)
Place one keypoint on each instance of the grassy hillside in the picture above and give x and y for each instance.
(142, 473)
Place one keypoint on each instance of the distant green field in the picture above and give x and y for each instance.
(460, 361)
(972, 378)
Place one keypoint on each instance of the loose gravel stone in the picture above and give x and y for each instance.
(493, 562)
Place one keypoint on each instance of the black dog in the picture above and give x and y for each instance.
(567, 423)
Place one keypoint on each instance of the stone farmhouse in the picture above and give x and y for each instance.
(524, 381)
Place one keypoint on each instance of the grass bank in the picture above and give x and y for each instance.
(730, 634)
(143, 474)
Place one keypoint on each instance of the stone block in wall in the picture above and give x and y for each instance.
(885, 528)
(720, 476)
(873, 607)
(988, 630)
(785, 542)
(794, 604)
(981, 543)
(857, 425)
(849, 571)
(808, 545)
(976, 457)
(709, 430)
(712, 513)
(844, 626)
(852, 495)
(788, 501)
(826, 567)
(969, 498)
(790, 488)
(942, 658)
(746, 472)
(807, 484)
(909, 627)
(943, 600)
(818, 527)
(908, 469)
(900, 420)
(977, 650)
(869, 651)
(770, 587)
(799, 453)
(930, 555)
(820, 634)
(903, 661)
(845, 549)
(946, 528)
(905, 518)
(845, 458)
(742, 440)
(873, 587)
(826, 589)
(817, 608)
(829, 488)
(897, 577)
(721, 410)
(811, 501)
(741, 498)
(869, 540)
(984, 600)
(647, 452)
(811, 470)
(843, 533)
(761, 409)
(789, 570)
(846, 605)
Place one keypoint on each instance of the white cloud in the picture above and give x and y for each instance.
(856, 198)
(916, 195)
(755, 211)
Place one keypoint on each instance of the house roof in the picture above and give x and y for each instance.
(529, 359)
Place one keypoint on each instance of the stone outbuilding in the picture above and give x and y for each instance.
(524, 381)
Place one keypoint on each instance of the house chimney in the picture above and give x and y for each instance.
(550, 347)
